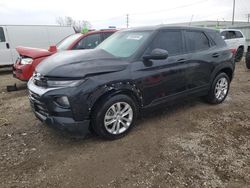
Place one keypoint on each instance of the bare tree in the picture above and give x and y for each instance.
(78, 25)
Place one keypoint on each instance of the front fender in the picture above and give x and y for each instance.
(108, 90)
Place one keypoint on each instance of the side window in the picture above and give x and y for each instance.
(196, 41)
(88, 42)
(168, 40)
(231, 35)
(92, 41)
(238, 34)
(2, 37)
(106, 35)
(224, 34)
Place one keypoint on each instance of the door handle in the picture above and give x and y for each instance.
(181, 60)
(215, 55)
(7, 45)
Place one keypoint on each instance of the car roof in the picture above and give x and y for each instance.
(163, 27)
(230, 30)
(99, 31)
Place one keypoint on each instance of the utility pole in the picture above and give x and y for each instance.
(233, 12)
(127, 20)
(191, 19)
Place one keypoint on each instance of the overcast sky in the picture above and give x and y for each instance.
(102, 14)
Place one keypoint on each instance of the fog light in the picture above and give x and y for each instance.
(63, 101)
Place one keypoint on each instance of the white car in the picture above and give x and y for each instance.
(235, 41)
(12, 36)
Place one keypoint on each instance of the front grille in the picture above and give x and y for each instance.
(37, 105)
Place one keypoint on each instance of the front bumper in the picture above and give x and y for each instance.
(51, 114)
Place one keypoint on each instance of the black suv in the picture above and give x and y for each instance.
(105, 88)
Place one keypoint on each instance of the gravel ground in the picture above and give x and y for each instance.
(186, 144)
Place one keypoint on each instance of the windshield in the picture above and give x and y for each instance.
(124, 44)
(65, 43)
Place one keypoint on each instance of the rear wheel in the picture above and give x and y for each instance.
(239, 54)
(248, 60)
(114, 118)
(219, 89)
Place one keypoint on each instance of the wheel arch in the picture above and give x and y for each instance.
(228, 71)
(107, 91)
(241, 46)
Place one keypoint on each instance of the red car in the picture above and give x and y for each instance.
(31, 57)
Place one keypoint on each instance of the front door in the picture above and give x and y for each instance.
(160, 79)
(5, 51)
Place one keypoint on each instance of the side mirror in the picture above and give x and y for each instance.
(223, 37)
(53, 49)
(156, 54)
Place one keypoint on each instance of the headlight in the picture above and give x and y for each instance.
(25, 61)
(67, 83)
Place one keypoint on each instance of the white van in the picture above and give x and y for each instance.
(12, 36)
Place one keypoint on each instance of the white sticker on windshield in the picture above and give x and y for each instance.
(134, 37)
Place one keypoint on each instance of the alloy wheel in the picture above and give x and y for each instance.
(118, 118)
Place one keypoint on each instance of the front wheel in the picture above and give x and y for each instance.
(219, 89)
(114, 117)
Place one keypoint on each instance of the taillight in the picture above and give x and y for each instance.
(233, 50)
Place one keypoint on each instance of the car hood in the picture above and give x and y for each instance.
(33, 52)
(80, 63)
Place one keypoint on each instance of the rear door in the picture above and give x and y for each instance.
(202, 54)
(5, 52)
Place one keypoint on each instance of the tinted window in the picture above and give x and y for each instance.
(168, 40)
(215, 37)
(89, 42)
(2, 37)
(196, 41)
(106, 35)
(229, 34)
(239, 34)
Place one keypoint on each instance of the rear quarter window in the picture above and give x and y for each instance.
(216, 38)
(238, 34)
(2, 37)
(196, 41)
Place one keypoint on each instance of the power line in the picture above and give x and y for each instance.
(174, 8)
(151, 12)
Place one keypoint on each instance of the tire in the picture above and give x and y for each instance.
(111, 123)
(248, 60)
(239, 54)
(214, 96)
